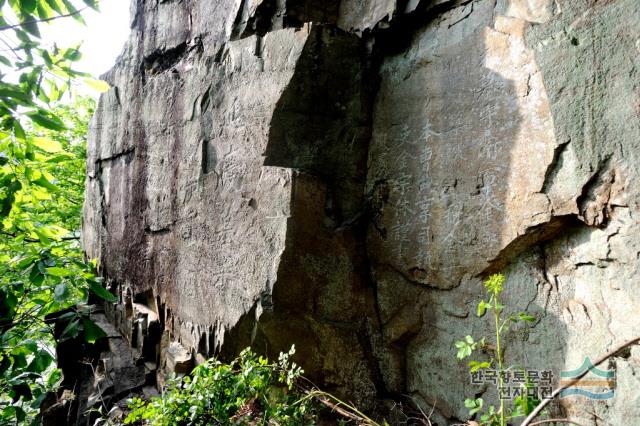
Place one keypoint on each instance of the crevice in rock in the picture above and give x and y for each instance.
(126, 154)
(594, 201)
(209, 157)
(415, 278)
(268, 16)
(554, 167)
(365, 340)
(162, 60)
(138, 14)
(165, 230)
(464, 17)
(376, 201)
(532, 236)
(394, 38)
(240, 23)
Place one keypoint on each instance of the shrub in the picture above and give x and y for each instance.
(249, 390)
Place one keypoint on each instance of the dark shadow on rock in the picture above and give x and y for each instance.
(322, 122)
(444, 132)
(323, 300)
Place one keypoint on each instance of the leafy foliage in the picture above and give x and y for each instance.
(34, 75)
(42, 156)
(42, 270)
(523, 404)
(250, 388)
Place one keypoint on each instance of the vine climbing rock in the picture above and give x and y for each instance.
(341, 175)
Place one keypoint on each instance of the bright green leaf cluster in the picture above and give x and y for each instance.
(42, 269)
(495, 283)
(473, 405)
(466, 347)
(249, 390)
(42, 156)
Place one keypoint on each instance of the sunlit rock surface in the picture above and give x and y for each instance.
(340, 175)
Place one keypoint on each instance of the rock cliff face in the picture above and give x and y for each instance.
(342, 174)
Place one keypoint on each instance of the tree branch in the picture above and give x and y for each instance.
(536, 411)
(39, 21)
(32, 240)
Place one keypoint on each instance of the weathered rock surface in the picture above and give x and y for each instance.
(340, 175)
(94, 375)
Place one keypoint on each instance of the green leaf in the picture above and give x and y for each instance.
(18, 130)
(61, 293)
(71, 330)
(46, 144)
(466, 347)
(476, 365)
(59, 158)
(19, 360)
(46, 120)
(72, 54)
(59, 272)
(47, 58)
(43, 182)
(71, 8)
(97, 85)
(24, 262)
(27, 347)
(474, 405)
(92, 331)
(7, 306)
(54, 378)
(482, 308)
(23, 36)
(21, 390)
(102, 292)
(40, 361)
(44, 11)
(57, 6)
(7, 92)
(526, 317)
(93, 4)
(42, 236)
(12, 414)
(42, 95)
(30, 25)
(28, 5)
(35, 276)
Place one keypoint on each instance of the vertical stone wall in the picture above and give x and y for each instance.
(340, 175)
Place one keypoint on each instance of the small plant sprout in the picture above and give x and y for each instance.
(523, 404)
